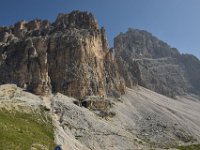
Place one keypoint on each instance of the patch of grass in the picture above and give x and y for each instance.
(21, 131)
(189, 147)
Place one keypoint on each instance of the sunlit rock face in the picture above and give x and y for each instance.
(70, 56)
(150, 62)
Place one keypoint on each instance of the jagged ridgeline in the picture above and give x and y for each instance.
(70, 55)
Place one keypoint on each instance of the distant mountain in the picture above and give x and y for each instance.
(150, 62)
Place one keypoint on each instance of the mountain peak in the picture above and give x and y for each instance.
(76, 19)
(143, 44)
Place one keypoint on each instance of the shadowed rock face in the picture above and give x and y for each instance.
(83, 20)
(147, 61)
(70, 56)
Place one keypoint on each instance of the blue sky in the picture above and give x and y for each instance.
(176, 22)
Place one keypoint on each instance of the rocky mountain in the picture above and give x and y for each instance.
(61, 84)
(150, 62)
(70, 55)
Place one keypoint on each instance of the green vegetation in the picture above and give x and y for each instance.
(21, 131)
(190, 147)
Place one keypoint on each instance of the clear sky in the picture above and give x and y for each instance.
(176, 22)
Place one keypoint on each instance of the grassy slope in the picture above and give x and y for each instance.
(21, 131)
(190, 147)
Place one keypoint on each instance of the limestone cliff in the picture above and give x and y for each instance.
(70, 56)
(150, 62)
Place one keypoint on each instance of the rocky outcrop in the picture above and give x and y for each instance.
(147, 61)
(14, 98)
(70, 56)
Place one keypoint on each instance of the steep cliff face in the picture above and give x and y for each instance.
(147, 61)
(70, 56)
(25, 63)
